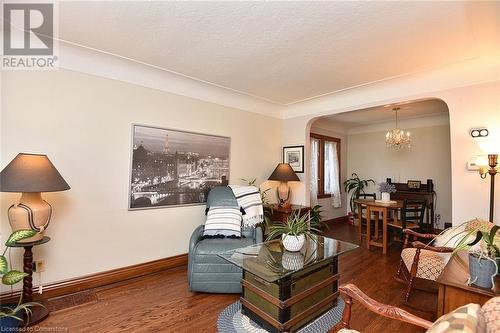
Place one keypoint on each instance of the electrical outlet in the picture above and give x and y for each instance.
(39, 266)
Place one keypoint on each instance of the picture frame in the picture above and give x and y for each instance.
(171, 168)
(294, 155)
(414, 185)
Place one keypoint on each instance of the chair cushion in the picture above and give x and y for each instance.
(346, 330)
(214, 246)
(430, 264)
(462, 320)
(490, 313)
(224, 221)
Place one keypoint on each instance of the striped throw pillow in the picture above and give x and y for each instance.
(223, 221)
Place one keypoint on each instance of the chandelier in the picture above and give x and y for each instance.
(398, 138)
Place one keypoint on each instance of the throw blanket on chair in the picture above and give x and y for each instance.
(249, 199)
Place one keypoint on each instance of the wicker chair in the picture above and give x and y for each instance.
(420, 261)
(425, 261)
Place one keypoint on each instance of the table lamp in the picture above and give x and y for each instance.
(490, 146)
(31, 174)
(283, 173)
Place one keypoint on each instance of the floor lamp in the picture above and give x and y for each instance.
(489, 146)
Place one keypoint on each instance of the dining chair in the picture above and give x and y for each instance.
(412, 217)
(362, 213)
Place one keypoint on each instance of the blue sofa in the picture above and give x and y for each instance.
(206, 271)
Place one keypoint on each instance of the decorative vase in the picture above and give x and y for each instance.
(482, 271)
(292, 261)
(293, 243)
(386, 196)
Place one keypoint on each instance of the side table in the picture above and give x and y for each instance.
(454, 290)
(39, 313)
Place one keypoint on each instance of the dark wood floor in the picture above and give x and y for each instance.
(162, 302)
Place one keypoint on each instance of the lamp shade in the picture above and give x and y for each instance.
(31, 173)
(283, 173)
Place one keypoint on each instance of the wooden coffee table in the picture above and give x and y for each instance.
(283, 291)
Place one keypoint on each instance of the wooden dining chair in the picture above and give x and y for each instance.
(412, 217)
(362, 213)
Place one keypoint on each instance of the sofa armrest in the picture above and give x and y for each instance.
(195, 238)
(442, 249)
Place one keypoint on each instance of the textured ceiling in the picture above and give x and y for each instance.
(282, 52)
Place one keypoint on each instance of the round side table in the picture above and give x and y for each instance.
(39, 313)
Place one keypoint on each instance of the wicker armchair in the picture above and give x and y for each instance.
(420, 261)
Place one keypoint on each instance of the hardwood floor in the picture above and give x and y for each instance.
(162, 302)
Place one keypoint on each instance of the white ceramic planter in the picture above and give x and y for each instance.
(292, 261)
(293, 243)
(386, 196)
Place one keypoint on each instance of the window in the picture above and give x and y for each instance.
(325, 167)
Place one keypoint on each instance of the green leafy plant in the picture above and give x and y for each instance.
(11, 277)
(490, 246)
(316, 218)
(296, 224)
(355, 186)
(263, 193)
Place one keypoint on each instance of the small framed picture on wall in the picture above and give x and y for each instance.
(294, 155)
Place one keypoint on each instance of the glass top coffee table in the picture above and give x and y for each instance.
(283, 291)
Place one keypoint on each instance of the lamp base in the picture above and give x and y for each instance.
(283, 192)
(30, 212)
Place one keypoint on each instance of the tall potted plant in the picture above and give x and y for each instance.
(12, 316)
(354, 186)
(484, 259)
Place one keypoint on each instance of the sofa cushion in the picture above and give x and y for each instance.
(224, 221)
(430, 264)
(491, 315)
(462, 320)
(214, 246)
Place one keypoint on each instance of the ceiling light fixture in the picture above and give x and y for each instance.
(398, 138)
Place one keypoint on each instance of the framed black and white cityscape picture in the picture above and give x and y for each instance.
(175, 168)
(294, 155)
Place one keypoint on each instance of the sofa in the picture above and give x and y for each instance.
(207, 272)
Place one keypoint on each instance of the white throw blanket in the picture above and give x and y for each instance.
(249, 199)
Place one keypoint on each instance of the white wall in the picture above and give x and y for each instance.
(324, 128)
(469, 106)
(428, 158)
(83, 123)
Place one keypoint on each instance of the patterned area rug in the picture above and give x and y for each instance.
(232, 321)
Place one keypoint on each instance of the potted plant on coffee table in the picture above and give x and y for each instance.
(294, 231)
(12, 315)
(483, 259)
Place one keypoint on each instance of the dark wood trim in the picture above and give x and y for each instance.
(104, 278)
(321, 164)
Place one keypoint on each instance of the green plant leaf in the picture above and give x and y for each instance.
(493, 232)
(13, 277)
(18, 235)
(4, 266)
(479, 236)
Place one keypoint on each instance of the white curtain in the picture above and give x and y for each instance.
(314, 171)
(332, 181)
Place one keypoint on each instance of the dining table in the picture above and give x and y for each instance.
(380, 208)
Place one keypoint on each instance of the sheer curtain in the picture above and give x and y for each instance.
(314, 171)
(332, 181)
